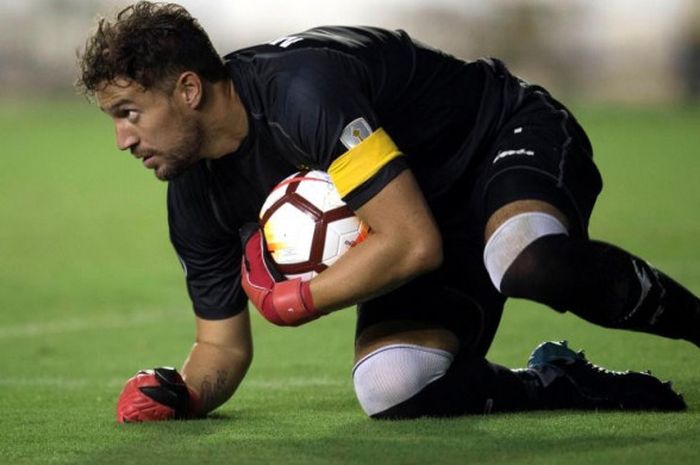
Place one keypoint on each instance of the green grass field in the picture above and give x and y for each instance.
(90, 292)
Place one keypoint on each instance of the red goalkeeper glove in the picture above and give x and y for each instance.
(155, 395)
(284, 302)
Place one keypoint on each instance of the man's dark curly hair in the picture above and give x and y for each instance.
(150, 44)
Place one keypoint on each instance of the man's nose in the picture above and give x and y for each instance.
(125, 137)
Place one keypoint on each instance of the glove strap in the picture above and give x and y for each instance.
(292, 302)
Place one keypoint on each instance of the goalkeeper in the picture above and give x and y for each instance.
(477, 186)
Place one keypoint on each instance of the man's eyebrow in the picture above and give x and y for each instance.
(113, 107)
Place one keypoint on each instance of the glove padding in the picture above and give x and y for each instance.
(155, 395)
(284, 302)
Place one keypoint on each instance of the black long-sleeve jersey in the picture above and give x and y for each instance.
(360, 103)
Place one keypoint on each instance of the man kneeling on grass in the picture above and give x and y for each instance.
(477, 187)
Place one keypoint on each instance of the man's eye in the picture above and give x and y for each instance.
(130, 115)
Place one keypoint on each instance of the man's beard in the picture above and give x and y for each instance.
(184, 154)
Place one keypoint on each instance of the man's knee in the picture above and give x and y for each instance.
(512, 238)
(392, 374)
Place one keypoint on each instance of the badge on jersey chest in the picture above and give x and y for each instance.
(355, 132)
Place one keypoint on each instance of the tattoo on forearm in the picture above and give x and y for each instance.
(205, 392)
(214, 394)
(221, 380)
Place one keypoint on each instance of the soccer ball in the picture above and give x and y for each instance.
(307, 226)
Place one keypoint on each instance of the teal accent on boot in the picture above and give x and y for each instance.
(551, 352)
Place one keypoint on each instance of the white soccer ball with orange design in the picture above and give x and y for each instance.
(307, 226)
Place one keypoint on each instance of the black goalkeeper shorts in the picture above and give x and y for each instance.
(540, 153)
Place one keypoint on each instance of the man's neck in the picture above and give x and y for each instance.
(226, 121)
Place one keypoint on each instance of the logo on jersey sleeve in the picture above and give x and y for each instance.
(355, 132)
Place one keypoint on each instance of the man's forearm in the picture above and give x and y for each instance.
(404, 242)
(214, 372)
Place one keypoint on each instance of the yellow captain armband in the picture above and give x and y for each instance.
(362, 161)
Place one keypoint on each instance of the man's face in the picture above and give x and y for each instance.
(155, 127)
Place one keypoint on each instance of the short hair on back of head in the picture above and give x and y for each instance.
(150, 44)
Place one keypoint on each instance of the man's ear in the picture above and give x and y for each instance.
(190, 89)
